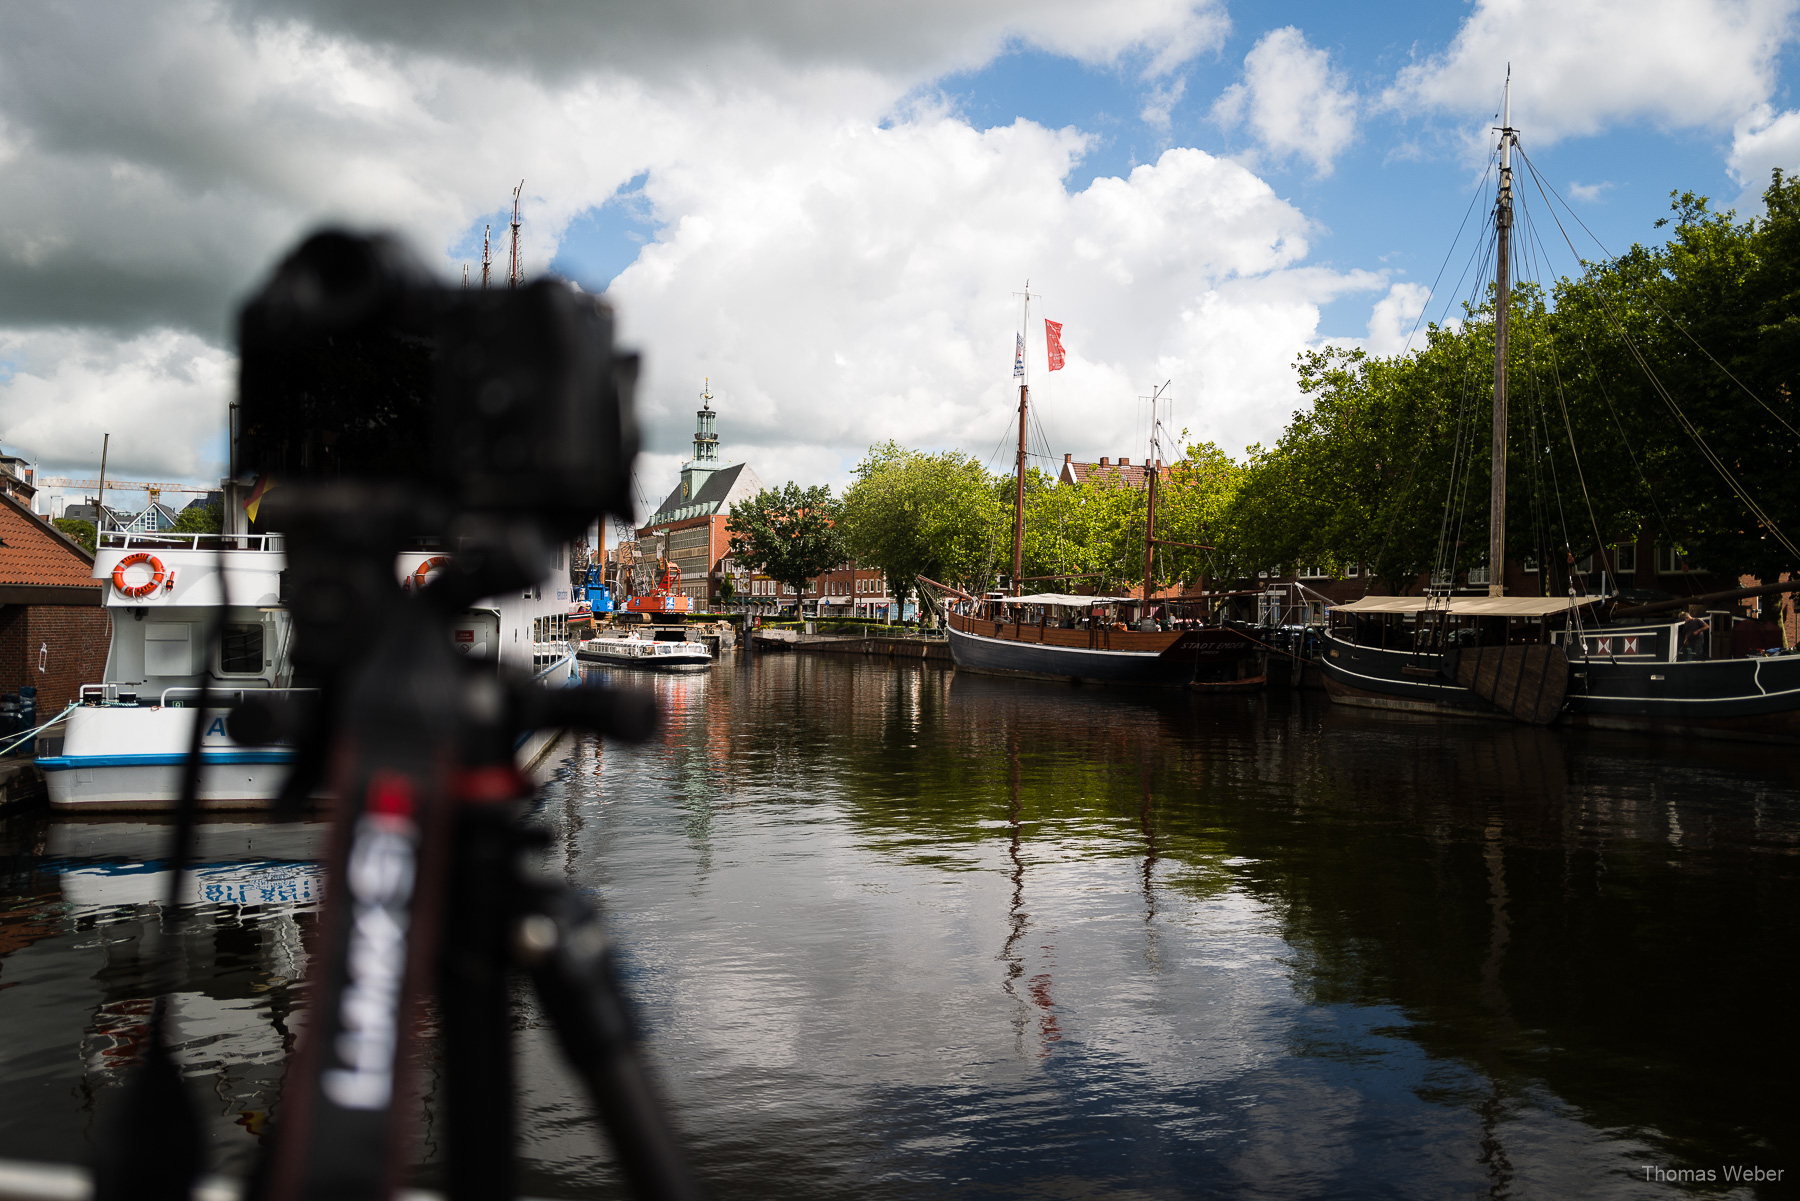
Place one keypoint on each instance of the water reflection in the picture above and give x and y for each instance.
(86, 948)
(899, 932)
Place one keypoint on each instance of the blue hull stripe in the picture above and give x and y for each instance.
(208, 758)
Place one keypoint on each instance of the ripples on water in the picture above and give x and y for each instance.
(900, 933)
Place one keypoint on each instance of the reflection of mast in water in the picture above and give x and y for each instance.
(1152, 951)
(1038, 987)
(1493, 1108)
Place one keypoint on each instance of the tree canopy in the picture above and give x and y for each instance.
(199, 519)
(936, 515)
(789, 534)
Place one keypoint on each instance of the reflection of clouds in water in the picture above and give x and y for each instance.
(1296, 1139)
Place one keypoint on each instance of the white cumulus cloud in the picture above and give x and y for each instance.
(839, 260)
(1293, 100)
(1579, 68)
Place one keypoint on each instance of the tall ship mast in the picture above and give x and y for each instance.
(1020, 373)
(1075, 638)
(1503, 220)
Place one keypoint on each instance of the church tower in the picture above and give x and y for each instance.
(706, 447)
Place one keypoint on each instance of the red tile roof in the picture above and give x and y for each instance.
(1123, 472)
(34, 552)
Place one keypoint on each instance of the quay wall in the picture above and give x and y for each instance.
(913, 650)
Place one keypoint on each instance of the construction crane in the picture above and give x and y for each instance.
(154, 488)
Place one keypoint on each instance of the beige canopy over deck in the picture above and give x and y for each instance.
(1468, 606)
(1067, 601)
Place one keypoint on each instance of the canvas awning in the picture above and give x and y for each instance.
(1067, 601)
(1468, 606)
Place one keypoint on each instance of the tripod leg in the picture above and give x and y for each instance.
(478, 1063)
(571, 966)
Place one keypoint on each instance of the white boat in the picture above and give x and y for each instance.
(123, 746)
(633, 650)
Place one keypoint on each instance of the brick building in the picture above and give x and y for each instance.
(54, 634)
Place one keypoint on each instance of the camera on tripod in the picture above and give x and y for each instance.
(489, 426)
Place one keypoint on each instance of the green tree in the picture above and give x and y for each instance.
(199, 519)
(1191, 506)
(789, 534)
(935, 515)
(79, 530)
(1093, 529)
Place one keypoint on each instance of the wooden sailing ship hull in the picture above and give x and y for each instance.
(1376, 677)
(1513, 683)
(1171, 659)
(1756, 699)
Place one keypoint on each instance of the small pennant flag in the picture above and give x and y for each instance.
(1053, 344)
(253, 502)
(1018, 356)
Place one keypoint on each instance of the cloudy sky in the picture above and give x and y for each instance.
(827, 206)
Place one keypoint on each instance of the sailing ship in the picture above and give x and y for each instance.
(1086, 639)
(1539, 659)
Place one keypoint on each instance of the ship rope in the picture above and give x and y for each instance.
(1681, 418)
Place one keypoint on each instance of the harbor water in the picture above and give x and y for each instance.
(897, 932)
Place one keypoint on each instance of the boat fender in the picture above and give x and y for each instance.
(423, 572)
(159, 575)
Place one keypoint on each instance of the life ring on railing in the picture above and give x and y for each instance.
(422, 573)
(137, 591)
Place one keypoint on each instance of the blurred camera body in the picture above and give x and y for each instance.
(356, 365)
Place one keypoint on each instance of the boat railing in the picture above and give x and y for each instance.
(236, 694)
(126, 695)
(546, 657)
(112, 540)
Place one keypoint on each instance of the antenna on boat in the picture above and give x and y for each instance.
(1503, 213)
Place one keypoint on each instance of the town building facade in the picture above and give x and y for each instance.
(54, 634)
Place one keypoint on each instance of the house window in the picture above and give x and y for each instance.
(1625, 558)
(1352, 571)
(1531, 565)
(1670, 561)
(1585, 565)
(1314, 573)
(1478, 575)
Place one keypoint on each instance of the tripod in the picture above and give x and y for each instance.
(428, 862)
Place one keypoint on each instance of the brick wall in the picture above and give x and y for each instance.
(73, 639)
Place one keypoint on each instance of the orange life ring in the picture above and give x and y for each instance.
(137, 591)
(422, 573)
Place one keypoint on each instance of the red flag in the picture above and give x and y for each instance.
(1053, 343)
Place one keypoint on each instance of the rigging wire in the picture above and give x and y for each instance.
(1568, 425)
(1674, 407)
(1480, 187)
(1538, 179)
(1618, 423)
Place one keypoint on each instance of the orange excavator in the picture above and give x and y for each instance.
(663, 597)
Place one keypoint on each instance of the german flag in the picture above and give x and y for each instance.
(253, 502)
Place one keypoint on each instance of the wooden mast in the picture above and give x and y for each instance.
(1151, 466)
(1018, 547)
(1502, 314)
